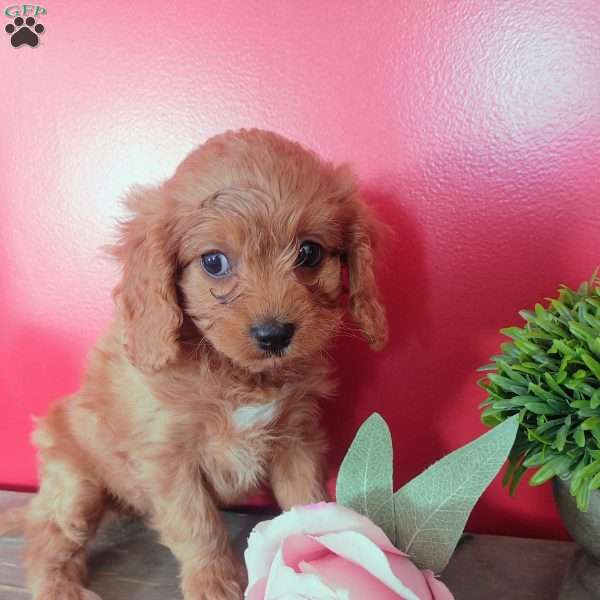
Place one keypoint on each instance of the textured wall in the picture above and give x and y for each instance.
(475, 127)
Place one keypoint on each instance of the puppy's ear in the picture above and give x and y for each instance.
(146, 297)
(364, 299)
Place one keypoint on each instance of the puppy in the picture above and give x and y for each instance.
(207, 384)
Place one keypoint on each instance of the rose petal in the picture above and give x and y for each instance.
(410, 575)
(283, 580)
(439, 591)
(257, 591)
(299, 547)
(315, 519)
(337, 571)
(329, 517)
(294, 596)
(361, 551)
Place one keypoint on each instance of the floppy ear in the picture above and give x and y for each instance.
(146, 296)
(364, 302)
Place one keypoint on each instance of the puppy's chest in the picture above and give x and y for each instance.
(248, 418)
(238, 457)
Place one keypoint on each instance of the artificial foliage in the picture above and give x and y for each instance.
(549, 375)
(426, 517)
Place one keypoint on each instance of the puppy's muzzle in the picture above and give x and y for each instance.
(273, 336)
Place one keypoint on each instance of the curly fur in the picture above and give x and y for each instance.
(152, 428)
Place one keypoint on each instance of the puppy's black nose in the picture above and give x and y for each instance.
(273, 335)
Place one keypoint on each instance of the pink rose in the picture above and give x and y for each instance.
(328, 552)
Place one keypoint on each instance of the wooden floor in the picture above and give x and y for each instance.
(126, 563)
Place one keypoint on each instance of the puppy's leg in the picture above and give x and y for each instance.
(62, 518)
(190, 525)
(298, 471)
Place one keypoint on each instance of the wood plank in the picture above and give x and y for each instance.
(497, 567)
(127, 563)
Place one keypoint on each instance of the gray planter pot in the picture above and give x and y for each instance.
(582, 581)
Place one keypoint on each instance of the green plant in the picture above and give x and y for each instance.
(549, 374)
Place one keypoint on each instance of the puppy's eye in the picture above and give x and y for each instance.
(216, 264)
(310, 255)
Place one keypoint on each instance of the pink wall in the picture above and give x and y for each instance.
(475, 127)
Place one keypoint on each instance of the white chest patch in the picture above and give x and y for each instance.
(255, 415)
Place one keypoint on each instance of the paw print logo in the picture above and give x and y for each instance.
(24, 32)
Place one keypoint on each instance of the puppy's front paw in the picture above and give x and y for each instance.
(65, 590)
(214, 589)
(221, 590)
(220, 581)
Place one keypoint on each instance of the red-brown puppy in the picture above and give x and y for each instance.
(207, 384)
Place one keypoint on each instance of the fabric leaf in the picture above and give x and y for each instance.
(364, 482)
(432, 509)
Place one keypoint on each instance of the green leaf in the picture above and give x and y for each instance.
(553, 385)
(533, 436)
(548, 324)
(591, 423)
(581, 331)
(583, 496)
(524, 368)
(586, 389)
(490, 389)
(513, 464)
(545, 361)
(588, 412)
(491, 417)
(537, 334)
(516, 478)
(591, 321)
(432, 509)
(594, 301)
(579, 437)
(527, 347)
(561, 376)
(540, 392)
(539, 408)
(562, 310)
(566, 295)
(559, 465)
(595, 482)
(507, 384)
(578, 404)
(509, 349)
(592, 364)
(514, 375)
(562, 347)
(548, 425)
(527, 315)
(561, 435)
(508, 405)
(576, 478)
(365, 482)
(513, 332)
(595, 346)
(537, 459)
(596, 433)
(591, 469)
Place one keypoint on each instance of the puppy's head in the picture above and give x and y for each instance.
(249, 239)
